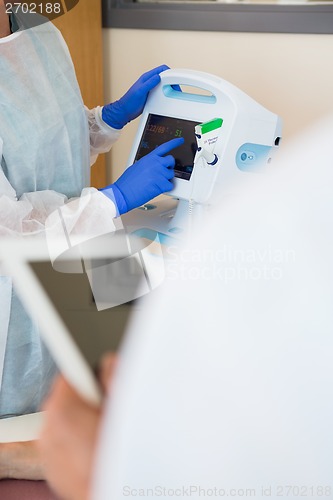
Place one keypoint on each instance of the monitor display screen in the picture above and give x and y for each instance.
(160, 129)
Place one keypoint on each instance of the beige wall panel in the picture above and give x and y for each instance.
(291, 75)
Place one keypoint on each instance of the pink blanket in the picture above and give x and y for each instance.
(25, 490)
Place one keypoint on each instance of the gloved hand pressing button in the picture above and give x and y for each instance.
(145, 179)
(130, 106)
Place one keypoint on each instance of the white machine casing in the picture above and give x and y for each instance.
(245, 122)
(248, 137)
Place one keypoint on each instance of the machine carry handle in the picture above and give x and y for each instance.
(171, 79)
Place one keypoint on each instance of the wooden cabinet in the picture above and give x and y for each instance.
(82, 30)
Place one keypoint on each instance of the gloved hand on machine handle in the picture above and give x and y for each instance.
(148, 177)
(130, 106)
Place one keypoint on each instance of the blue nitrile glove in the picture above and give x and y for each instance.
(130, 106)
(147, 178)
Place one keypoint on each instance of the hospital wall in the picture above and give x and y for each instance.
(291, 75)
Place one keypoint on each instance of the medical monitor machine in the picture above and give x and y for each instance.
(227, 135)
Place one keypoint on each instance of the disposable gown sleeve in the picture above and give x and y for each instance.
(25, 364)
(89, 215)
(102, 136)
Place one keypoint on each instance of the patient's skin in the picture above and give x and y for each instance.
(70, 435)
(20, 461)
(4, 21)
